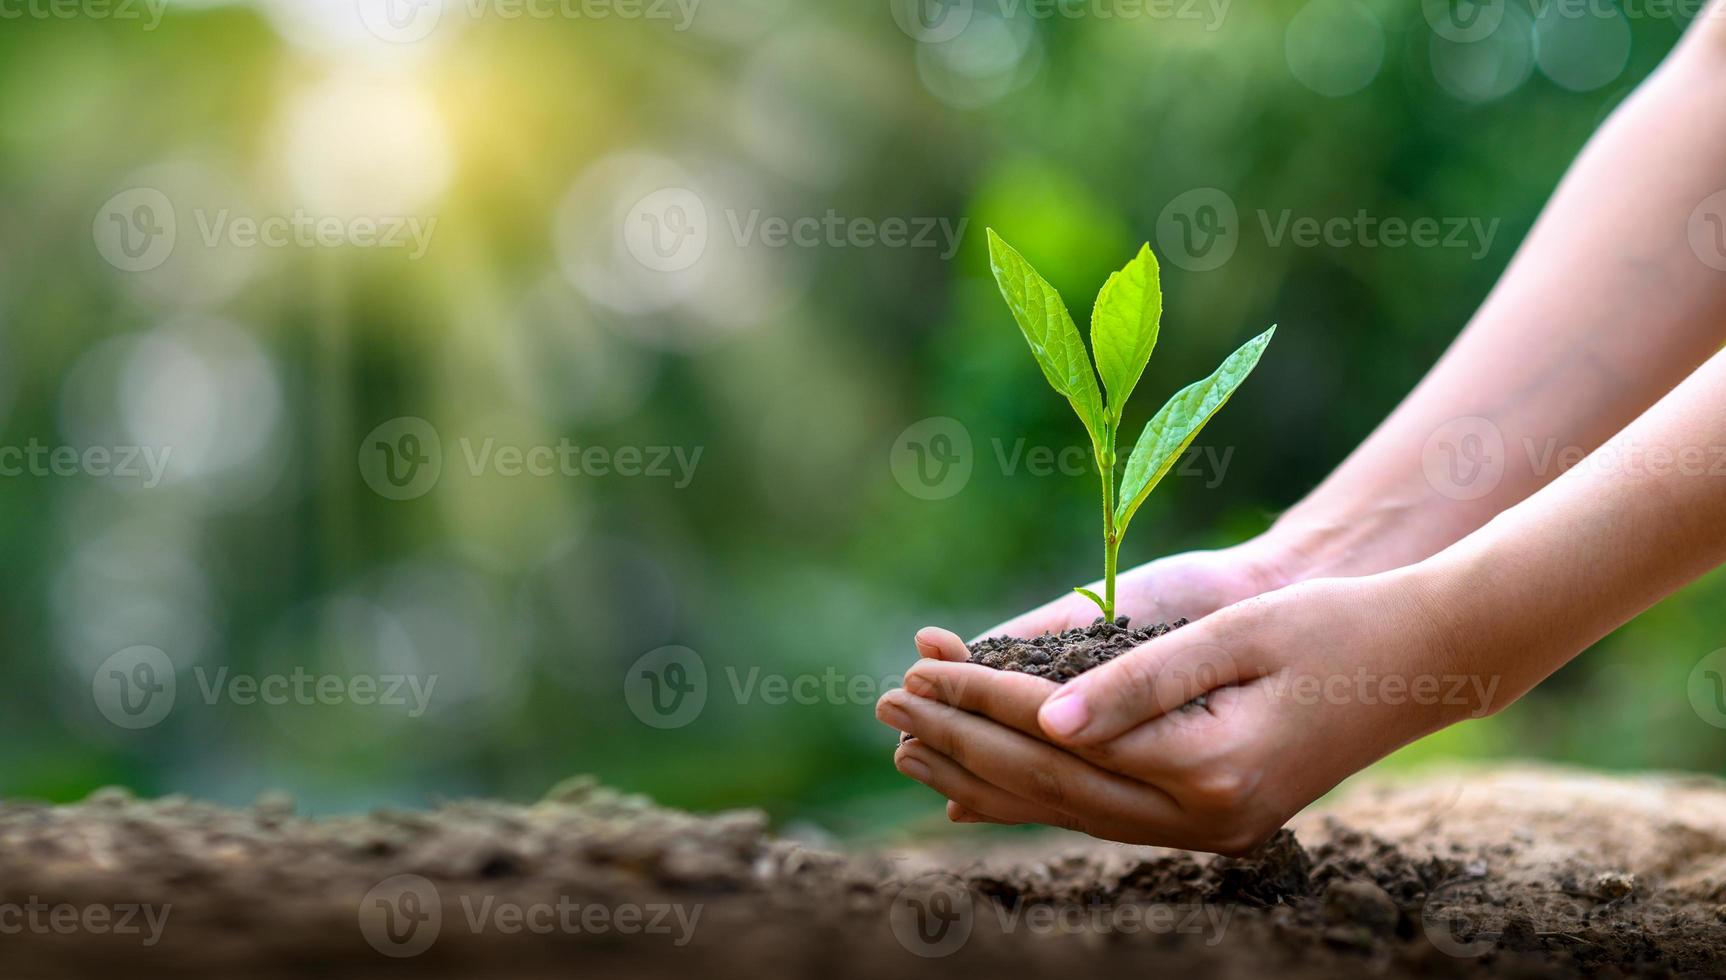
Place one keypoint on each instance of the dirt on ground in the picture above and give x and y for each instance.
(1517, 872)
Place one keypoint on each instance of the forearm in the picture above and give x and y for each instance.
(1604, 309)
(1642, 516)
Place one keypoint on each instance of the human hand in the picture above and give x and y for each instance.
(1303, 687)
(1190, 585)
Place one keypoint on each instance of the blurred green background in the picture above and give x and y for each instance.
(534, 316)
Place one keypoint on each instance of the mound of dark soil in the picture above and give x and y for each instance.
(1060, 657)
(1485, 874)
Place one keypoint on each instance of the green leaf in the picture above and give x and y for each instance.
(1087, 593)
(1124, 327)
(1176, 424)
(1049, 329)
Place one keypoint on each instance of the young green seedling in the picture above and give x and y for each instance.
(1124, 327)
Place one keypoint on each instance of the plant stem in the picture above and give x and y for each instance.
(1111, 547)
(1111, 537)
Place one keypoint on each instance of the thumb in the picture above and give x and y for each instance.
(935, 643)
(1142, 684)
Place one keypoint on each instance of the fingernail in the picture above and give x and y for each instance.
(1064, 715)
(913, 768)
(919, 685)
(889, 712)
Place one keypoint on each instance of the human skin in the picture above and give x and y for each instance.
(1383, 572)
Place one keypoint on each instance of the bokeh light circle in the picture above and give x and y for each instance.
(1582, 48)
(1489, 68)
(984, 64)
(1334, 47)
(362, 144)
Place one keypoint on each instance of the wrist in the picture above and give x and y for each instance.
(1304, 545)
(1455, 616)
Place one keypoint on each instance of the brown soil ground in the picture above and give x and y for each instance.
(1496, 873)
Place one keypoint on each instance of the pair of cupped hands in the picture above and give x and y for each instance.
(1209, 737)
